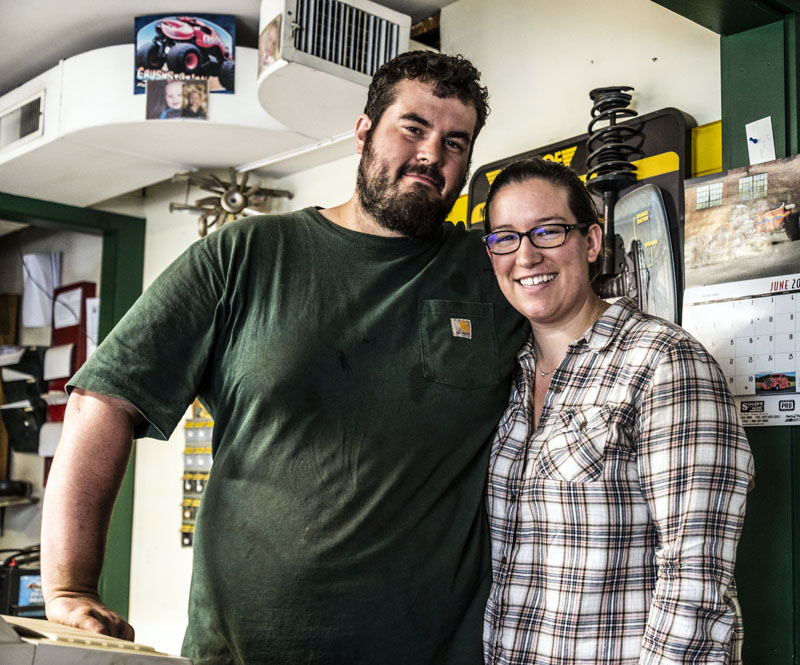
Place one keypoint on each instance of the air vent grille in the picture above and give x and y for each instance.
(345, 35)
(22, 122)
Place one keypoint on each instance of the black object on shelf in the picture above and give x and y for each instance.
(23, 424)
(32, 364)
(21, 584)
(15, 488)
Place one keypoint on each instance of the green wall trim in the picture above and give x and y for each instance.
(52, 215)
(794, 442)
(760, 78)
(792, 58)
(122, 271)
(765, 564)
(727, 17)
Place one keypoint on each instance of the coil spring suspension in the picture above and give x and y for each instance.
(610, 149)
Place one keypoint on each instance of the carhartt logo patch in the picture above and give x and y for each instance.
(461, 328)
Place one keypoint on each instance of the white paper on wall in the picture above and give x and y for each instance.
(58, 362)
(760, 142)
(92, 324)
(41, 274)
(67, 308)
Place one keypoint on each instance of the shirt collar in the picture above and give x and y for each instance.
(599, 335)
(608, 327)
(526, 352)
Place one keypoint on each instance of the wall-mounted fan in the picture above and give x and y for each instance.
(229, 200)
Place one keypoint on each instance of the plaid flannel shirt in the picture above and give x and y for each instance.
(614, 525)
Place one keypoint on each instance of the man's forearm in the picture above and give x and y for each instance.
(83, 484)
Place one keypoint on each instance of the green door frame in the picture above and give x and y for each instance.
(122, 271)
(760, 72)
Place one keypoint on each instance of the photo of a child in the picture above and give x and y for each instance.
(195, 96)
(164, 100)
(269, 44)
(167, 100)
(173, 100)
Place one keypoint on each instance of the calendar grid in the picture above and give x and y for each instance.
(755, 339)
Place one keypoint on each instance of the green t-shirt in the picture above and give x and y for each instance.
(354, 382)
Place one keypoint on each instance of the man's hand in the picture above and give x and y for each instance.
(84, 480)
(87, 613)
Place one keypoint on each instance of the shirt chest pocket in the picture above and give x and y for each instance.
(459, 343)
(575, 449)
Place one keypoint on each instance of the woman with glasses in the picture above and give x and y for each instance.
(619, 470)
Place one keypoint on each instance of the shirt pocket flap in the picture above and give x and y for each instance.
(459, 343)
(575, 448)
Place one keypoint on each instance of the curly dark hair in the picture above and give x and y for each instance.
(451, 76)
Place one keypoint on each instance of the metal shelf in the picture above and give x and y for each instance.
(11, 501)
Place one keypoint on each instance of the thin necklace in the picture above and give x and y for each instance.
(541, 373)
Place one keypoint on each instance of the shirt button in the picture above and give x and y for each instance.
(503, 561)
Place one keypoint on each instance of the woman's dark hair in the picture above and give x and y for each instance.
(451, 76)
(581, 203)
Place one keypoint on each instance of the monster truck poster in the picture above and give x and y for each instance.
(173, 47)
(742, 300)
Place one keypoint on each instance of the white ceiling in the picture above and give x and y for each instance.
(39, 33)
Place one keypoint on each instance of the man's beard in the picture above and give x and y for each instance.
(410, 213)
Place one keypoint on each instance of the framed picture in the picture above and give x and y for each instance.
(169, 100)
(269, 44)
(195, 99)
(176, 48)
(164, 100)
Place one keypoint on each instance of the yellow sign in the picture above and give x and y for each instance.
(649, 167)
(477, 213)
(459, 212)
(562, 156)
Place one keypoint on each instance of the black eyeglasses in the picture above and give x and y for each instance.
(545, 236)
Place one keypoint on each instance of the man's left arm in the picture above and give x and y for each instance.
(694, 467)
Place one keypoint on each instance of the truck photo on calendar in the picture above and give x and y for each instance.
(775, 382)
(173, 47)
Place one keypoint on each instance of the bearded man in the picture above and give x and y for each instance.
(355, 360)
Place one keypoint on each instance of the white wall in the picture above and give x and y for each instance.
(540, 59)
(81, 256)
(325, 186)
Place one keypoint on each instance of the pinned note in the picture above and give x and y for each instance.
(760, 142)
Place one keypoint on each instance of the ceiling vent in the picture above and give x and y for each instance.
(316, 83)
(22, 122)
(349, 35)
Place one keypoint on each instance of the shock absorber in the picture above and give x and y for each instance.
(610, 148)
